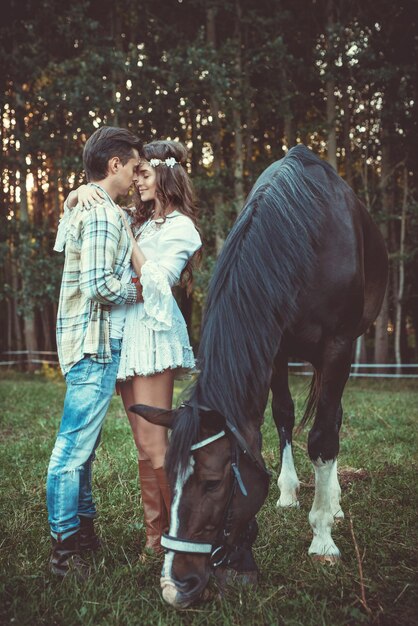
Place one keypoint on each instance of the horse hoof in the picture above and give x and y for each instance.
(291, 504)
(325, 559)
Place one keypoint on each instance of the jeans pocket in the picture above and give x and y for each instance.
(80, 372)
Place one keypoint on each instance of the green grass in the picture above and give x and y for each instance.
(379, 436)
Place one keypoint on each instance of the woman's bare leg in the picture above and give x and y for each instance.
(156, 390)
(127, 394)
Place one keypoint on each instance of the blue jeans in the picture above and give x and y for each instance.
(90, 386)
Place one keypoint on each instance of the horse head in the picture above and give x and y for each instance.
(218, 487)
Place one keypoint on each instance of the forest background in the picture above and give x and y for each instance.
(238, 82)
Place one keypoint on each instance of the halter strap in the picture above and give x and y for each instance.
(185, 545)
(206, 442)
(245, 447)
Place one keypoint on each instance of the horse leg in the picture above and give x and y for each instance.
(284, 416)
(323, 446)
(335, 489)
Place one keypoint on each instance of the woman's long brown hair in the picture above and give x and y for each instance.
(174, 189)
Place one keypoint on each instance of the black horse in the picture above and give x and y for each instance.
(303, 273)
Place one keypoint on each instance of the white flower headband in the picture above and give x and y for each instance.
(170, 162)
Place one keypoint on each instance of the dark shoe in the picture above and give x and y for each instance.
(89, 541)
(66, 559)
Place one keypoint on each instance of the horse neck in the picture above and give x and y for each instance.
(235, 380)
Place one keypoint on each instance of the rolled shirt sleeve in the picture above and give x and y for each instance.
(100, 238)
(178, 242)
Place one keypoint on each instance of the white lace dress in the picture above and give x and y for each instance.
(155, 335)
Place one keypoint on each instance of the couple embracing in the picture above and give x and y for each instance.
(118, 323)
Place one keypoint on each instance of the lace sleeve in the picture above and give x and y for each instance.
(177, 243)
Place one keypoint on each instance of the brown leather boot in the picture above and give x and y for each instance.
(155, 517)
(166, 495)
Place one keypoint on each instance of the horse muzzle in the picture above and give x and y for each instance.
(182, 594)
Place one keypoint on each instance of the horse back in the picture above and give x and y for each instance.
(347, 284)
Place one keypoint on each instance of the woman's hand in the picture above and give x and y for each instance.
(137, 257)
(87, 196)
(126, 223)
(84, 195)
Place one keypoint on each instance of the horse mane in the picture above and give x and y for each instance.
(267, 259)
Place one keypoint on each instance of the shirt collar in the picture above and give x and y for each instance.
(103, 191)
(160, 220)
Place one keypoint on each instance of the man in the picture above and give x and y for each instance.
(97, 250)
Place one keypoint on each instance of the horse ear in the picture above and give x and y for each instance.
(160, 417)
(211, 420)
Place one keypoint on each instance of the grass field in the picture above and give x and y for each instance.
(378, 465)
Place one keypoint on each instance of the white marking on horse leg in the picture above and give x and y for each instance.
(288, 481)
(335, 494)
(166, 582)
(321, 516)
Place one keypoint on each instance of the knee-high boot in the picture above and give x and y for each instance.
(166, 495)
(155, 515)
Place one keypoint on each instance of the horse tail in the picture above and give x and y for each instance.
(312, 400)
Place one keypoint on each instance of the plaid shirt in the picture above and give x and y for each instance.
(97, 250)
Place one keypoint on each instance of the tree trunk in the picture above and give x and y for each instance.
(249, 147)
(248, 122)
(360, 355)
(6, 311)
(347, 141)
(46, 327)
(29, 329)
(216, 140)
(54, 308)
(289, 135)
(330, 89)
(116, 83)
(14, 278)
(414, 323)
(54, 215)
(381, 348)
(9, 313)
(237, 117)
(393, 249)
(381, 341)
(401, 276)
(332, 134)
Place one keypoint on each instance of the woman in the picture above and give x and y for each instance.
(155, 344)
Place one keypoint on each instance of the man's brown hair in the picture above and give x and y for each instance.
(107, 142)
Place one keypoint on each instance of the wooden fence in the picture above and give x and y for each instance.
(22, 358)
